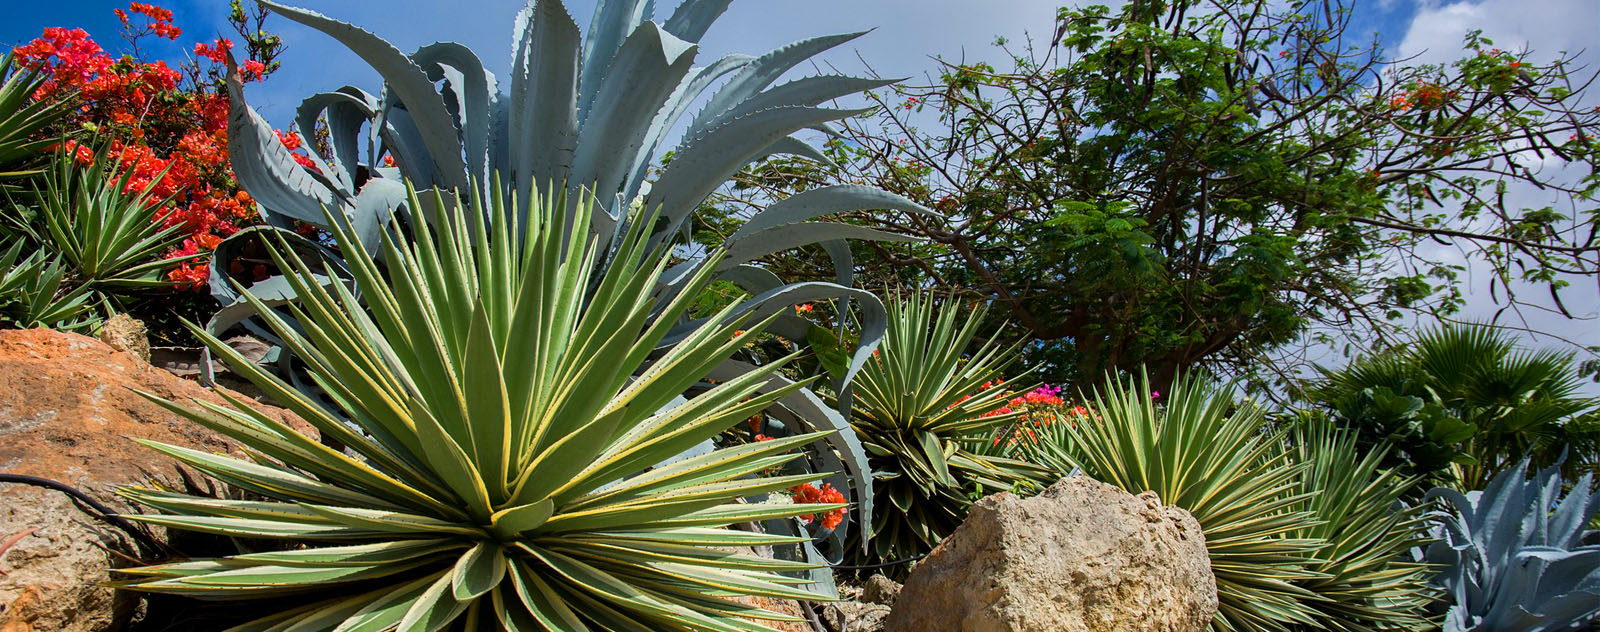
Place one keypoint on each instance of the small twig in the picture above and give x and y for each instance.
(9, 542)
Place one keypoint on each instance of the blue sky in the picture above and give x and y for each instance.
(908, 33)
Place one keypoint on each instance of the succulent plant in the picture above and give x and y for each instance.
(1201, 449)
(587, 116)
(1367, 580)
(924, 407)
(515, 462)
(1517, 555)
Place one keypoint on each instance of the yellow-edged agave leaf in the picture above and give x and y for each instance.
(1217, 457)
(504, 443)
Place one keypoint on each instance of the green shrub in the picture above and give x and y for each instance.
(508, 440)
(1201, 449)
(923, 408)
(1367, 580)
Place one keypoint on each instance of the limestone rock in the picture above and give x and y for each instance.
(125, 333)
(1083, 556)
(880, 590)
(67, 411)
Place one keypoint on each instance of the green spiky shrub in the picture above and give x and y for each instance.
(95, 238)
(924, 408)
(509, 440)
(1203, 450)
(1367, 580)
(23, 121)
(580, 110)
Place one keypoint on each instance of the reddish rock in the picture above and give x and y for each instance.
(67, 413)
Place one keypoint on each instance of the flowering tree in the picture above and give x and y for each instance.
(1202, 183)
(167, 124)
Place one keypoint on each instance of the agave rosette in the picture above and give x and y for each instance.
(511, 461)
(588, 115)
(1219, 459)
(925, 409)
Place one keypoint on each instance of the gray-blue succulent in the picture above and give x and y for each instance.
(580, 113)
(1516, 556)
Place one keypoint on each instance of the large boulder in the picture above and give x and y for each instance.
(1083, 556)
(67, 413)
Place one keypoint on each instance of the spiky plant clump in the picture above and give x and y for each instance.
(924, 408)
(1202, 449)
(1368, 581)
(510, 466)
(1517, 555)
(581, 111)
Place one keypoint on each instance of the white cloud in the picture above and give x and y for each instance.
(1545, 26)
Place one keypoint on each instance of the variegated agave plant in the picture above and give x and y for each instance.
(584, 114)
(516, 461)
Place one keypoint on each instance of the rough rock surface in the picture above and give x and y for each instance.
(66, 414)
(126, 333)
(1083, 556)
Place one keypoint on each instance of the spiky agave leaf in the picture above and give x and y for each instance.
(923, 406)
(1518, 555)
(1369, 581)
(500, 476)
(1201, 449)
(22, 119)
(104, 229)
(585, 112)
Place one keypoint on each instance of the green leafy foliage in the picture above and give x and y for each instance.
(1517, 555)
(34, 293)
(95, 242)
(508, 443)
(1461, 403)
(924, 407)
(1201, 449)
(1172, 184)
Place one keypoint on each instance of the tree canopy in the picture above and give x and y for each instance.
(1199, 183)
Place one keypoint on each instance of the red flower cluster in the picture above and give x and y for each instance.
(171, 134)
(806, 494)
(160, 20)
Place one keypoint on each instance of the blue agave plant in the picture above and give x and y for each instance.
(587, 116)
(1516, 555)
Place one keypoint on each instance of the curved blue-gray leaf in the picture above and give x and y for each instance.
(542, 128)
(794, 147)
(706, 163)
(810, 91)
(646, 71)
(789, 236)
(689, 89)
(693, 18)
(818, 417)
(404, 80)
(263, 164)
(755, 77)
(347, 110)
(614, 21)
(474, 93)
(814, 203)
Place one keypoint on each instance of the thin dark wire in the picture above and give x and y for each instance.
(91, 506)
(869, 567)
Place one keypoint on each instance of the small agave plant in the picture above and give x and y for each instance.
(581, 117)
(1517, 555)
(516, 457)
